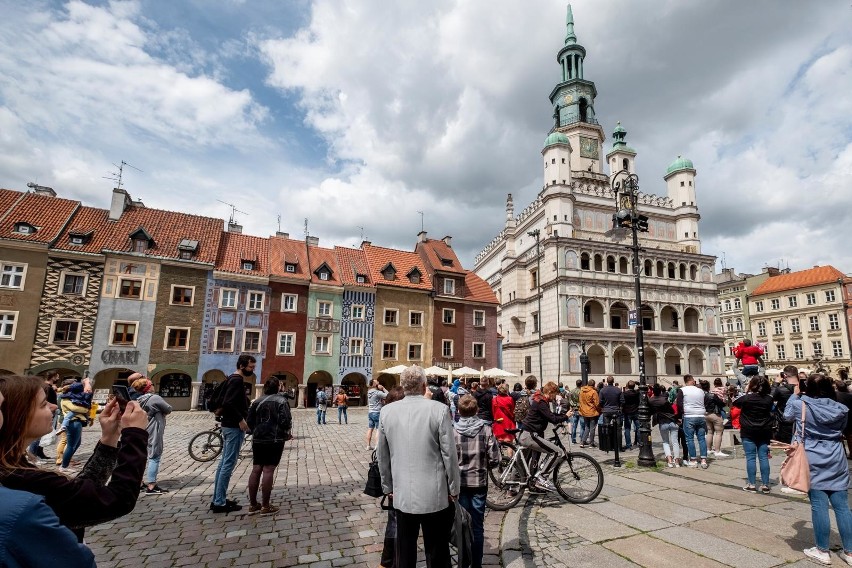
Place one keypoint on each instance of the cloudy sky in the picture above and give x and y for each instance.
(358, 114)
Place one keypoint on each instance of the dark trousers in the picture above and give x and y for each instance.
(436, 538)
(473, 499)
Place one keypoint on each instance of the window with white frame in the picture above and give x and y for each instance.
(391, 316)
(358, 312)
(286, 343)
(251, 340)
(177, 339)
(449, 286)
(810, 298)
(829, 295)
(792, 301)
(130, 288)
(289, 302)
(833, 322)
(228, 298)
(182, 295)
(729, 325)
(758, 306)
(448, 316)
(65, 332)
(726, 306)
(356, 346)
(814, 323)
(798, 352)
(389, 350)
(739, 324)
(288, 267)
(817, 345)
(415, 319)
(255, 301)
(775, 303)
(479, 351)
(447, 348)
(73, 284)
(224, 339)
(322, 345)
(479, 318)
(794, 325)
(12, 275)
(837, 348)
(123, 333)
(779, 329)
(324, 309)
(415, 351)
(761, 328)
(737, 304)
(323, 275)
(781, 354)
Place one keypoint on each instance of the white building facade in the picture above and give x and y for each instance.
(584, 276)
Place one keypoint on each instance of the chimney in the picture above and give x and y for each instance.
(447, 240)
(365, 243)
(282, 234)
(771, 270)
(234, 227)
(313, 241)
(120, 201)
(421, 237)
(41, 189)
(138, 203)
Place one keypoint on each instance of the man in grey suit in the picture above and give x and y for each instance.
(419, 466)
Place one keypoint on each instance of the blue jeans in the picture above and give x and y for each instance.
(473, 500)
(631, 420)
(757, 449)
(671, 440)
(152, 470)
(341, 411)
(819, 516)
(321, 414)
(73, 437)
(232, 442)
(692, 426)
(575, 421)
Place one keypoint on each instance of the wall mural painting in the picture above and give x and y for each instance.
(715, 361)
(573, 358)
(573, 318)
(571, 259)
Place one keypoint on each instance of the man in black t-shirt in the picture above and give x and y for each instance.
(630, 412)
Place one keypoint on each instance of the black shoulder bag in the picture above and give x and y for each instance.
(373, 488)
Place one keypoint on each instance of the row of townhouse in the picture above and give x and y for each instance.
(105, 293)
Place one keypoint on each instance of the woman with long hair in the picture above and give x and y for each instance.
(87, 499)
(503, 410)
(270, 422)
(756, 430)
(824, 421)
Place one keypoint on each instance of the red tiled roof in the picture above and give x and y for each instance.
(801, 279)
(478, 290)
(318, 256)
(436, 251)
(8, 197)
(166, 228)
(353, 262)
(379, 257)
(237, 247)
(48, 214)
(283, 251)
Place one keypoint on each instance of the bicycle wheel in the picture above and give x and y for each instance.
(579, 478)
(205, 446)
(506, 481)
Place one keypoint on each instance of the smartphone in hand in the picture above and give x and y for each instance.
(122, 395)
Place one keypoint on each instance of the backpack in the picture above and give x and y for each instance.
(322, 398)
(522, 406)
(216, 400)
(672, 395)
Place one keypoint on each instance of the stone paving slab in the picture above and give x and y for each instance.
(714, 547)
(686, 498)
(592, 555)
(654, 553)
(789, 550)
(735, 495)
(662, 509)
(588, 524)
(634, 519)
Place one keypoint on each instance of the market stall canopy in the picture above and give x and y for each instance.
(496, 373)
(394, 370)
(465, 372)
(436, 371)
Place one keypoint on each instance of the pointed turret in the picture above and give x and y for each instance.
(510, 211)
(569, 24)
(622, 156)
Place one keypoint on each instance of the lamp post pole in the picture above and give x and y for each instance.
(535, 233)
(627, 194)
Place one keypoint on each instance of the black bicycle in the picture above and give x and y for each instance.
(577, 477)
(206, 446)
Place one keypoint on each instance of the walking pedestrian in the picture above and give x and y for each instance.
(690, 406)
(234, 427)
(157, 409)
(756, 430)
(589, 410)
(713, 406)
(270, 421)
(630, 414)
(375, 396)
(664, 415)
(321, 401)
(341, 401)
(574, 405)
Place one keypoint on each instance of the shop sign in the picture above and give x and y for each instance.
(114, 357)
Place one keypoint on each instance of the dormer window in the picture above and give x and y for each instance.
(323, 275)
(187, 249)
(360, 279)
(414, 276)
(248, 264)
(389, 271)
(289, 267)
(446, 262)
(324, 271)
(449, 286)
(140, 245)
(141, 240)
(24, 228)
(78, 238)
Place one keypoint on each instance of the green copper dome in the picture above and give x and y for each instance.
(680, 164)
(555, 138)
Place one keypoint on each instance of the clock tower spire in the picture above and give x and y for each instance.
(573, 100)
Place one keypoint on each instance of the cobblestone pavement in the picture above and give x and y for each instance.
(325, 519)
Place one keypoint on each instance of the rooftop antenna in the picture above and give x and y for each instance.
(279, 222)
(234, 211)
(307, 234)
(362, 233)
(421, 221)
(116, 176)
(724, 264)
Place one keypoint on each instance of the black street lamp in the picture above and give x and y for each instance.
(535, 233)
(625, 187)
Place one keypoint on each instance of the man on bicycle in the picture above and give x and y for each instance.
(533, 427)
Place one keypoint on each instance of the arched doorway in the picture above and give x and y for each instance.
(597, 360)
(291, 385)
(593, 314)
(650, 362)
(669, 319)
(355, 385)
(64, 373)
(622, 361)
(618, 316)
(673, 362)
(175, 387)
(108, 377)
(208, 382)
(317, 380)
(696, 362)
(690, 320)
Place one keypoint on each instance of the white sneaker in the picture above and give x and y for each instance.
(543, 483)
(692, 463)
(818, 555)
(722, 455)
(845, 556)
(791, 491)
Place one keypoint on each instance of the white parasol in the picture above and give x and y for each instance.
(465, 372)
(394, 370)
(496, 373)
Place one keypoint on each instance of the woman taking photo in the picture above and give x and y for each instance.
(87, 499)
(756, 430)
(825, 419)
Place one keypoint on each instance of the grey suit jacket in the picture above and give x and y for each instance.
(417, 455)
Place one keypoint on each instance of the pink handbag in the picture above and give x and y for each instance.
(795, 471)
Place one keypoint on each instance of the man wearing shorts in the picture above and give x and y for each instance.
(375, 396)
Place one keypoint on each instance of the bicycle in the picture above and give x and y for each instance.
(577, 477)
(206, 446)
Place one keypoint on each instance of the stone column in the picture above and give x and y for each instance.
(302, 397)
(196, 392)
(258, 390)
